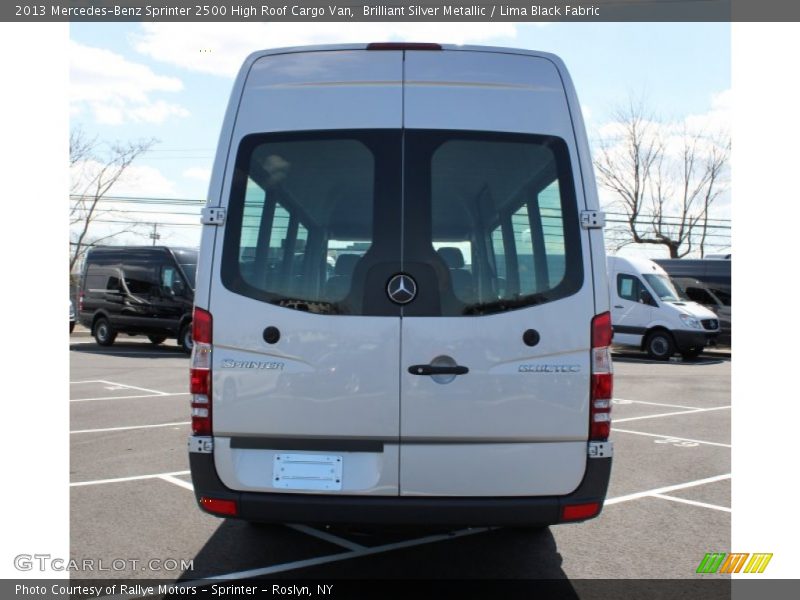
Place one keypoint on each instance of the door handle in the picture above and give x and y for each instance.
(437, 370)
(618, 306)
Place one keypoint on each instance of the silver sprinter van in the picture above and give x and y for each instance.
(402, 312)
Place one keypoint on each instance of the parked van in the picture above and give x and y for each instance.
(713, 298)
(138, 290)
(402, 311)
(715, 272)
(650, 313)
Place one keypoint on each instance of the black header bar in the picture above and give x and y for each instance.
(399, 10)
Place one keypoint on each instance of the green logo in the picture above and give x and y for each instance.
(723, 563)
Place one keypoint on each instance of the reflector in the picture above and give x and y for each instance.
(220, 507)
(576, 512)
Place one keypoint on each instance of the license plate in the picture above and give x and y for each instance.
(307, 472)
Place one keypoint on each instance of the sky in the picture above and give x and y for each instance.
(171, 82)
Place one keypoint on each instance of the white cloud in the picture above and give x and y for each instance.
(220, 48)
(718, 118)
(136, 181)
(143, 180)
(116, 90)
(712, 126)
(199, 173)
(714, 121)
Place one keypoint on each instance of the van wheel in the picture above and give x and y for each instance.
(185, 338)
(659, 345)
(156, 339)
(691, 353)
(104, 334)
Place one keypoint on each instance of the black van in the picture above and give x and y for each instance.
(138, 290)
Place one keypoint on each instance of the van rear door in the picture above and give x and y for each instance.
(495, 348)
(305, 341)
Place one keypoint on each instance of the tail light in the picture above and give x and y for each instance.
(80, 301)
(602, 387)
(200, 373)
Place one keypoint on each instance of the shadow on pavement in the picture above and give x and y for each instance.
(236, 547)
(123, 348)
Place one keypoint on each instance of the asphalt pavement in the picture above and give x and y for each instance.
(668, 501)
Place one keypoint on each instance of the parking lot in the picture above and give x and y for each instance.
(131, 495)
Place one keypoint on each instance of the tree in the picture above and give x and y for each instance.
(94, 172)
(665, 178)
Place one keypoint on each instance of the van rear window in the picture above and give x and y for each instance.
(301, 219)
(321, 221)
(503, 217)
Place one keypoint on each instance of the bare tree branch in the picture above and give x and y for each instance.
(654, 172)
(95, 174)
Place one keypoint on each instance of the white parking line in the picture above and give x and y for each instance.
(692, 502)
(121, 479)
(159, 395)
(320, 560)
(627, 401)
(663, 490)
(131, 387)
(130, 427)
(328, 537)
(176, 481)
(671, 437)
(670, 414)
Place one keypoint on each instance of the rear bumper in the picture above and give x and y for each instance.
(686, 340)
(318, 508)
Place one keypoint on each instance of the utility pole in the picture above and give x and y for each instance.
(155, 235)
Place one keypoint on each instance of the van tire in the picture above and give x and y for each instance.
(659, 345)
(185, 338)
(156, 339)
(104, 334)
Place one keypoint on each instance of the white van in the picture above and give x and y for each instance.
(402, 312)
(650, 313)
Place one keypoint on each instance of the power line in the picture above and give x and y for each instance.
(622, 214)
(139, 199)
(150, 212)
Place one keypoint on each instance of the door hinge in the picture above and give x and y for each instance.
(212, 215)
(593, 219)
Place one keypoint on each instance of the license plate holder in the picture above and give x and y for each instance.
(322, 472)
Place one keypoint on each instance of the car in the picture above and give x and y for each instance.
(71, 316)
(453, 365)
(138, 290)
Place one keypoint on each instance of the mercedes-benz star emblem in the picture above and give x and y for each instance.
(402, 289)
